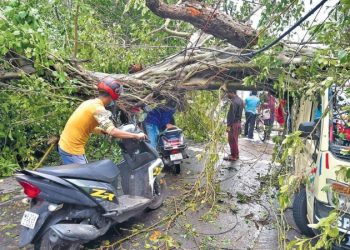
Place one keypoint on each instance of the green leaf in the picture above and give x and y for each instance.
(333, 232)
(8, 227)
(345, 2)
(343, 56)
(22, 14)
(348, 173)
(326, 188)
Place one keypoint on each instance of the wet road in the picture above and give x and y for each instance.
(244, 217)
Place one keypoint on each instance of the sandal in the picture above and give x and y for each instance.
(230, 158)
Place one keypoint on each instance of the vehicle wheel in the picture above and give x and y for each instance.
(300, 212)
(159, 193)
(177, 169)
(50, 241)
(260, 128)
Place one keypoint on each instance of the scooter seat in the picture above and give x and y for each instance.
(104, 170)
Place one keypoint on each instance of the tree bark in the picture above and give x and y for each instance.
(209, 20)
(191, 69)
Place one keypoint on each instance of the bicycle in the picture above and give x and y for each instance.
(264, 129)
(260, 127)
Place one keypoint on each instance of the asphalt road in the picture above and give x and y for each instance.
(244, 215)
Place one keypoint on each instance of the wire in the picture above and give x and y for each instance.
(254, 53)
(250, 54)
(303, 43)
(300, 21)
(299, 48)
(199, 37)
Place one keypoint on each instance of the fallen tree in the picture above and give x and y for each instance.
(196, 67)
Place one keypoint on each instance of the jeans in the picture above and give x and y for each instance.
(68, 158)
(233, 134)
(152, 133)
(249, 124)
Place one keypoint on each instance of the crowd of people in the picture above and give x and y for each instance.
(93, 116)
(265, 105)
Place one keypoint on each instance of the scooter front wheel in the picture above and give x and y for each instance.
(50, 241)
(159, 193)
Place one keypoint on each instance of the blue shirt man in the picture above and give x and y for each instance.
(157, 120)
(251, 104)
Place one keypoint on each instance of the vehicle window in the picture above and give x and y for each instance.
(316, 109)
(340, 126)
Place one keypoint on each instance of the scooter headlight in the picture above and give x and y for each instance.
(339, 195)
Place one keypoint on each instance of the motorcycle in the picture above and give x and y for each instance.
(171, 147)
(73, 204)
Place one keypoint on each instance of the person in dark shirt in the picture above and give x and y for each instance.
(234, 117)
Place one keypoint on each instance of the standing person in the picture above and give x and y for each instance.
(234, 117)
(281, 113)
(251, 104)
(91, 116)
(158, 119)
(271, 105)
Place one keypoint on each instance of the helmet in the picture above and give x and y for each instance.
(111, 86)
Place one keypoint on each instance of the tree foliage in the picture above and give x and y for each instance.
(37, 106)
(43, 38)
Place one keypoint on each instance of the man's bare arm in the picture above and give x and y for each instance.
(98, 131)
(102, 117)
(117, 133)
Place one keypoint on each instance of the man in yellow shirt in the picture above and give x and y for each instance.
(91, 116)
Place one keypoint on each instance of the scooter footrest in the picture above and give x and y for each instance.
(127, 202)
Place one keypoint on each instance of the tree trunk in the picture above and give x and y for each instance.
(192, 69)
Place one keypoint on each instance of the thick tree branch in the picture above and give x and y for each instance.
(195, 68)
(207, 19)
(174, 32)
(10, 75)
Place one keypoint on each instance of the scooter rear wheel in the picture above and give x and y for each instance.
(159, 194)
(177, 169)
(50, 241)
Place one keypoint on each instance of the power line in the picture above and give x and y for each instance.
(199, 37)
(300, 21)
(254, 53)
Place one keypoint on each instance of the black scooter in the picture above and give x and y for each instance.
(171, 147)
(74, 204)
